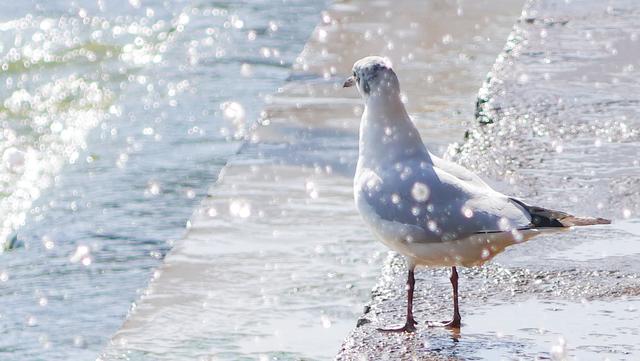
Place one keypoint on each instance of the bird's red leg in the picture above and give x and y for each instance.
(409, 325)
(455, 322)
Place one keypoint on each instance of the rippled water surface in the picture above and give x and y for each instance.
(116, 117)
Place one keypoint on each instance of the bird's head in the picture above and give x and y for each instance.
(373, 75)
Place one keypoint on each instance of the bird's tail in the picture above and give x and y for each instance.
(542, 217)
(571, 221)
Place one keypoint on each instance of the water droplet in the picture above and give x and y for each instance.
(523, 78)
(326, 18)
(433, 226)
(246, 70)
(517, 235)
(212, 212)
(504, 224)
(322, 35)
(153, 188)
(122, 160)
(265, 52)
(13, 159)
(559, 350)
(82, 254)
(183, 19)
(326, 322)
(240, 208)
(236, 22)
(47, 24)
(420, 192)
(312, 190)
(234, 112)
(467, 212)
(48, 243)
(78, 341)
(395, 198)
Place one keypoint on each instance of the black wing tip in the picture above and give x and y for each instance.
(543, 217)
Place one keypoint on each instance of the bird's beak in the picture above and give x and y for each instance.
(349, 82)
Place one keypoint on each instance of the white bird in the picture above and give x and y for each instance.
(434, 212)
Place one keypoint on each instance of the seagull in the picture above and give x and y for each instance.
(434, 212)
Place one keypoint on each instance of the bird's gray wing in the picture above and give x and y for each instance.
(444, 206)
(459, 172)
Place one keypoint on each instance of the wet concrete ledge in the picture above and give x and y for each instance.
(562, 90)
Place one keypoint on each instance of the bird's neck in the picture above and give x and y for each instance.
(387, 134)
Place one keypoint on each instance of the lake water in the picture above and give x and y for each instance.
(116, 118)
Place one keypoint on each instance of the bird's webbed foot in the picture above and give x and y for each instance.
(409, 326)
(455, 323)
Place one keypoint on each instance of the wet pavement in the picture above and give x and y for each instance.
(507, 313)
